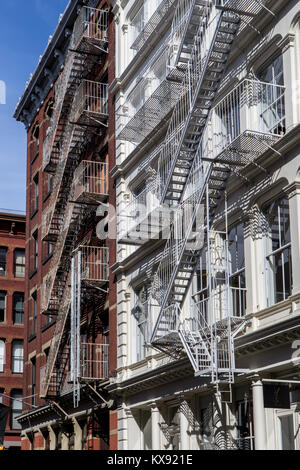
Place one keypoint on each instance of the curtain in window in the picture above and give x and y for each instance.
(17, 357)
(2, 355)
(20, 263)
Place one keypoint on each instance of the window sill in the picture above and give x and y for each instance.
(35, 157)
(33, 214)
(31, 338)
(45, 260)
(47, 196)
(32, 274)
(46, 327)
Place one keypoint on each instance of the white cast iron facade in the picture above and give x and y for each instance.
(207, 123)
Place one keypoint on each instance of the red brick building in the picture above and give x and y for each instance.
(12, 286)
(70, 306)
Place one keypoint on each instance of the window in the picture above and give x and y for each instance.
(237, 270)
(244, 425)
(3, 253)
(273, 105)
(141, 312)
(17, 356)
(35, 142)
(2, 355)
(19, 263)
(33, 380)
(35, 194)
(278, 266)
(18, 306)
(34, 255)
(201, 296)
(2, 306)
(287, 432)
(34, 313)
(16, 408)
(1, 395)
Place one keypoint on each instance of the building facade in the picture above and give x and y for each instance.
(70, 296)
(12, 288)
(207, 187)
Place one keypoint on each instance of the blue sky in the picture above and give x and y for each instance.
(25, 27)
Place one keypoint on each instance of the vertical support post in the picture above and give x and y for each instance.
(184, 427)
(155, 427)
(78, 322)
(259, 414)
(73, 312)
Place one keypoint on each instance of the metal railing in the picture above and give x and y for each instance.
(91, 99)
(94, 263)
(91, 24)
(94, 361)
(143, 28)
(91, 180)
(252, 107)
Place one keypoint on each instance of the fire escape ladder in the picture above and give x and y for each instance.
(196, 340)
(188, 15)
(211, 49)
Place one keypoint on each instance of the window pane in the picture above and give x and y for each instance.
(279, 265)
(2, 355)
(2, 306)
(19, 308)
(17, 357)
(19, 263)
(16, 409)
(3, 252)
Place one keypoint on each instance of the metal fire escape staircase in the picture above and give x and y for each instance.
(63, 220)
(185, 182)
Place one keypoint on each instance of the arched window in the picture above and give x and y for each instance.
(2, 355)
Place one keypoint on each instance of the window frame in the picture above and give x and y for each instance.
(3, 356)
(17, 362)
(3, 263)
(238, 276)
(5, 306)
(19, 312)
(270, 273)
(16, 396)
(18, 264)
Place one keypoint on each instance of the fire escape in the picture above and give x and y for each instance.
(80, 114)
(206, 143)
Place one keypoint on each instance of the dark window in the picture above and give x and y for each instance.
(33, 380)
(18, 305)
(16, 408)
(278, 251)
(19, 263)
(244, 425)
(3, 254)
(35, 251)
(17, 356)
(35, 142)
(35, 195)
(237, 270)
(34, 313)
(2, 306)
